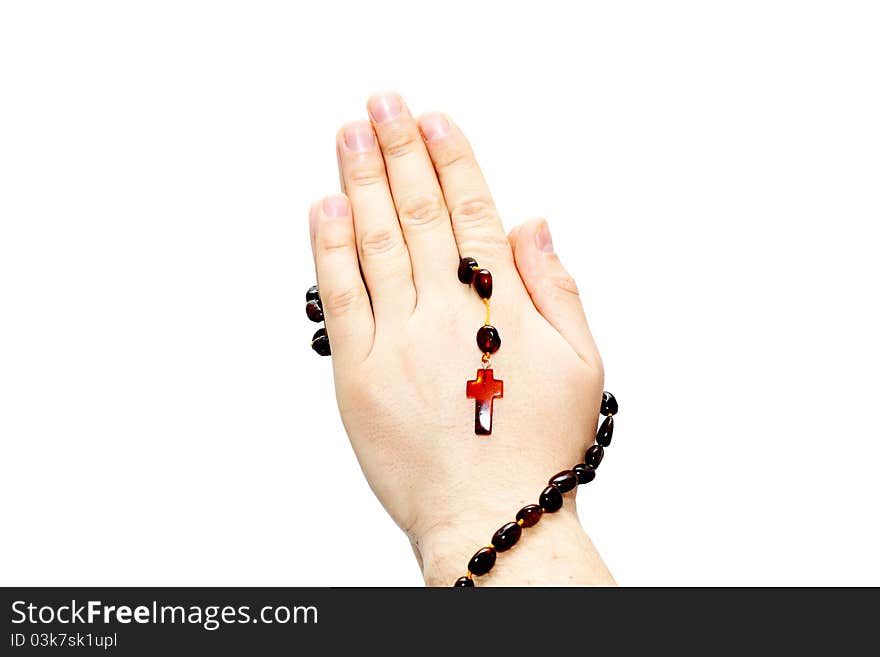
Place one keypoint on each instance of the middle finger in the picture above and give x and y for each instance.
(416, 192)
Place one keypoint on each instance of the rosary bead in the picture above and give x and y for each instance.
(488, 339)
(321, 343)
(312, 294)
(506, 537)
(482, 562)
(594, 456)
(483, 283)
(466, 270)
(463, 582)
(314, 311)
(530, 515)
(605, 432)
(609, 404)
(564, 481)
(551, 499)
(584, 472)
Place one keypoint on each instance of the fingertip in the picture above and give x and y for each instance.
(535, 257)
(530, 239)
(385, 106)
(380, 95)
(434, 126)
(356, 137)
(335, 205)
(525, 256)
(543, 238)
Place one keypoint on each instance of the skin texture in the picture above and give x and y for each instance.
(402, 329)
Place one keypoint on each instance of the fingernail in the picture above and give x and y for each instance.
(542, 238)
(434, 126)
(335, 206)
(359, 136)
(384, 107)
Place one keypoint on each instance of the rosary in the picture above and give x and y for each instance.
(484, 390)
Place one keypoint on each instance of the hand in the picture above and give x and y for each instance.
(402, 330)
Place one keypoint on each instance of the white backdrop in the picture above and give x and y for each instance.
(710, 172)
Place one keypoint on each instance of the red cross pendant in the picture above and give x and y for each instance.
(484, 389)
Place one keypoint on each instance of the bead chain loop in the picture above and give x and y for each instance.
(550, 500)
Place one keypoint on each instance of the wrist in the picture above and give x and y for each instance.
(554, 552)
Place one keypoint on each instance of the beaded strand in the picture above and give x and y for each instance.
(550, 500)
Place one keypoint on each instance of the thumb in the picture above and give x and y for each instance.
(552, 289)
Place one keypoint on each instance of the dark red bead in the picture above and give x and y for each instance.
(312, 294)
(321, 343)
(483, 283)
(594, 455)
(551, 499)
(564, 481)
(488, 339)
(585, 473)
(603, 437)
(463, 582)
(530, 515)
(314, 311)
(506, 537)
(609, 404)
(466, 270)
(482, 562)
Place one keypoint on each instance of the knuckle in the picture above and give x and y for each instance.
(422, 209)
(456, 155)
(476, 225)
(399, 143)
(336, 242)
(379, 241)
(366, 176)
(475, 211)
(337, 302)
(565, 283)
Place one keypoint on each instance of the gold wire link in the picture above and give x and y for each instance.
(486, 323)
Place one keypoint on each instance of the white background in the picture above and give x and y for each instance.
(711, 172)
